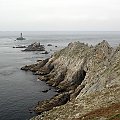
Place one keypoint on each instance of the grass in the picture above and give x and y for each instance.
(115, 117)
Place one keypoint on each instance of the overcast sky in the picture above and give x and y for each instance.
(45, 15)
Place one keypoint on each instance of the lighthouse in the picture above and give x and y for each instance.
(21, 37)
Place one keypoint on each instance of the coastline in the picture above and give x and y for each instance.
(78, 72)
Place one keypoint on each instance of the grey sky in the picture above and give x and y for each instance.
(41, 15)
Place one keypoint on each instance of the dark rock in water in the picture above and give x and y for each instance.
(55, 46)
(53, 102)
(45, 91)
(19, 46)
(30, 111)
(26, 68)
(35, 47)
(45, 52)
(49, 45)
(21, 37)
(39, 60)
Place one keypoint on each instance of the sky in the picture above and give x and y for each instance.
(60, 15)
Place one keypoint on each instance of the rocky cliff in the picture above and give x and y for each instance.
(87, 79)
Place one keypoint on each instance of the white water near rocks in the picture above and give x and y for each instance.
(20, 90)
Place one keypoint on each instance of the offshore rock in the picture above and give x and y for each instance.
(46, 52)
(35, 47)
(49, 45)
(91, 76)
(19, 46)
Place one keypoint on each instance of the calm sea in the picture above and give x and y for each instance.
(20, 90)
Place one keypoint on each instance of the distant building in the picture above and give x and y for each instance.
(21, 37)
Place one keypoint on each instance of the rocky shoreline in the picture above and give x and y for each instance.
(86, 78)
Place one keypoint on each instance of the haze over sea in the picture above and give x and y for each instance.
(20, 90)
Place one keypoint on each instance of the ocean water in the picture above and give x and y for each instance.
(20, 90)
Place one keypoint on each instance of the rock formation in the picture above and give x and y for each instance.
(19, 46)
(35, 47)
(87, 79)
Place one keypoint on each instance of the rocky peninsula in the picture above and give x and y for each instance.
(87, 79)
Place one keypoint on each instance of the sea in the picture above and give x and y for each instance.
(20, 91)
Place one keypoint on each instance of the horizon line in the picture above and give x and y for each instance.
(59, 31)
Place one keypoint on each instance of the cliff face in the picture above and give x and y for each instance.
(89, 75)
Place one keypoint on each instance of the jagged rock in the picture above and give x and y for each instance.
(43, 78)
(90, 74)
(28, 67)
(53, 102)
(35, 67)
(35, 47)
(76, 92)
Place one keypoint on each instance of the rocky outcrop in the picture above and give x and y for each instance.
(35, 67)
(89, 74)
(35, 47)
(53, 102)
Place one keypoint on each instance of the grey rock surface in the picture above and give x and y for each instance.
(35, 47)
(91, 76)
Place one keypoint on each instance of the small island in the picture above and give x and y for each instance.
(21, 37)
(36, 46)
